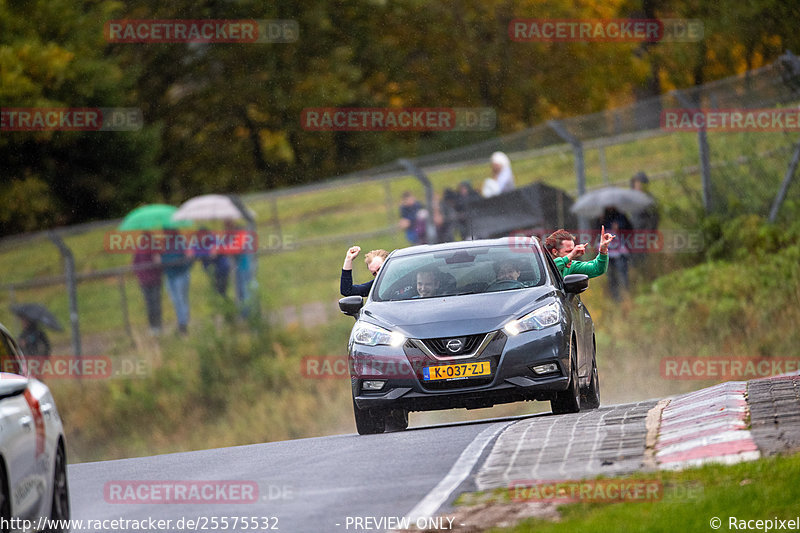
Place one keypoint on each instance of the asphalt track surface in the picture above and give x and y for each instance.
(310, 485)
(369, 483)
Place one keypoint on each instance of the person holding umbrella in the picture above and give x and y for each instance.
(146, 261)
(229, 208)
(147, 267)
(243, 271)
(33, 341)
(177, 266)
(215, 263)
(619, 255)
(645, 218)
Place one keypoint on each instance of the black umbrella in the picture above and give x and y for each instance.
(37, 313)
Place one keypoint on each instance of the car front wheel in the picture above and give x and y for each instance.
(590, 396)
(569, 400)
(59, 511)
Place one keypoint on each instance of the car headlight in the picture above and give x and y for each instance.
(372, 335)
(543, 317)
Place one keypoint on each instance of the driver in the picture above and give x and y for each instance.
(427, 283)
(507, 270)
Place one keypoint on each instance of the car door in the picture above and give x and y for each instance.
(22, 432)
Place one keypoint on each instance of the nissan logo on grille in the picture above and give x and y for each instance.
(455, 345)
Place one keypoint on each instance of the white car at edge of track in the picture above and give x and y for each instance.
(33, 463)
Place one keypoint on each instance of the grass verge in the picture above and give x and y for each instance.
(689, 500)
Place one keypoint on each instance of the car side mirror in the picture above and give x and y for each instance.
(576, 283)
(12, 385)
(351, 305)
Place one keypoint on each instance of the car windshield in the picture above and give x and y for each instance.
(457, 272)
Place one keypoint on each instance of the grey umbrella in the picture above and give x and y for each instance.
(593, 204)
(37, 313)
(210, 207)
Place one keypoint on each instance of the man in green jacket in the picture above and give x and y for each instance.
(561, 246)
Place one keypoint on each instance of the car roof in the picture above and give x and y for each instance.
(517, 242)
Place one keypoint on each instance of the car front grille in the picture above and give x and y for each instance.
(468, 344)
(491, 352)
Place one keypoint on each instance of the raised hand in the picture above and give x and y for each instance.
(577, 251)
(605, 239)
(351, 254)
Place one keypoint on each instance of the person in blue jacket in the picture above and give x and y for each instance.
(374, 261)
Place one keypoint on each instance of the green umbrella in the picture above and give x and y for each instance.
(150, 217)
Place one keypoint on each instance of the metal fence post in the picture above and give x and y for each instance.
(124, 302)
(389, 206)
(580, 165)
(704, 153)
(72, 292)
(603, 165)
(787, 180)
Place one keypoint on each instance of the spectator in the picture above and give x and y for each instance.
(644, 220)
(647, 218)
(177, 266)
(561, 246)
(243, 270)
(466, 194)
(374, 261)
(444, 216)
(33, 341)
(148, 273)
(215, 262)
(618, 253)
(411, 214)
(502, 179)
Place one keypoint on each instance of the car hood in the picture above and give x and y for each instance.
(455, 315)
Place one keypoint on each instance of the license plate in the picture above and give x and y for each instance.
(458, 371)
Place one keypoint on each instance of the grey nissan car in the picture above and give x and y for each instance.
(469, 324)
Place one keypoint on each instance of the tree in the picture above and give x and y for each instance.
(52, 55)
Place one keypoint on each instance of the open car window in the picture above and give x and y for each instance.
(459, 272)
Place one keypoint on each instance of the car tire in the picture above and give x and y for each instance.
(569, 400)
(397, 420)
(59, 509)
(5, 500)
(590, 396)
(367, 422)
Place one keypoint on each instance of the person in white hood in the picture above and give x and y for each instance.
(502, 179)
